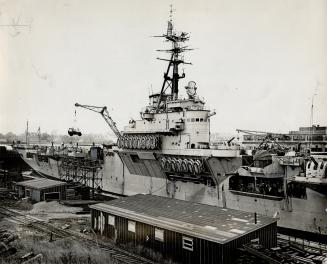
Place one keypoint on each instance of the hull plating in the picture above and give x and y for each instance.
(308, 215)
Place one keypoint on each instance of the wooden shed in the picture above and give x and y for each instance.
(181, 231)
(42, 189)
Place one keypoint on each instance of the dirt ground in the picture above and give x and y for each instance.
(61, 251)
(49, 210)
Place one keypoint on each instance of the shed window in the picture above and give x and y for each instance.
(95, 223)
(201, 119)
(188, 243)
(101, 222)
(111, 220)
(192, 119)
(197, 120)
(159, 234)
(131, 226)
(188, 120)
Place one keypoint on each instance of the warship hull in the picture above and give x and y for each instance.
(308, 214)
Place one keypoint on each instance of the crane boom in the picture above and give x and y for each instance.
(105, 114)
(252, 132)
(259, 133)
(267, 136)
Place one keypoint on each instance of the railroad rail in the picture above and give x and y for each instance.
(309, 246)
(119, 254)
(286, 252)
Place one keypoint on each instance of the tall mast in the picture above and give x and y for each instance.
(311, 114)
(171, 80)
(27, 143)
(39, 134)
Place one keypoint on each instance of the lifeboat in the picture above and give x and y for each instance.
(153, 143)
(163, 162)
(179, 165)
(130, 142)
(184, 167)
(147, 142)
(174, 165)
(190, 166)
(143, 143)
(197, 167)
(126, 145)
(139, 142)
(135, 142)
(168, 166)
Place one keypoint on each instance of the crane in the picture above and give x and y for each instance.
(254, 132)
(266, 136)
(262, 133)
(105, 114)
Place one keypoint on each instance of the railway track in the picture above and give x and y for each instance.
(120, 255)
(287, 251)
(308, 246)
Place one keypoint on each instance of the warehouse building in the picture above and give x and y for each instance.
(181, 231)
(42, 189)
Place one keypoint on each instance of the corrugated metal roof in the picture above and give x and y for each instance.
(199, 220)
(41, 183)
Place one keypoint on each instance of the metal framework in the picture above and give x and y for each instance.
(86, 172)
(176, 50)
(268, 137)
(105, 114)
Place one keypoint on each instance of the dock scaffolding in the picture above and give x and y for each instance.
(84, 171)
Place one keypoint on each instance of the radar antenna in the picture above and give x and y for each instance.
(171, 80)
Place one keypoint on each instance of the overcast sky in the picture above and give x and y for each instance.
(257, 62)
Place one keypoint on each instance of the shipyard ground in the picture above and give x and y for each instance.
(53, 247)
(33, 243)
(48, 232)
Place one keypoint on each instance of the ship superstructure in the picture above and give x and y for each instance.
(172, 137)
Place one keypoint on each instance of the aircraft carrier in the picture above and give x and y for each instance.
(167, 152)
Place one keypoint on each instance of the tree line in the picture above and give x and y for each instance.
(34, 138)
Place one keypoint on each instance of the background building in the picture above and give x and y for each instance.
(42, 189)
